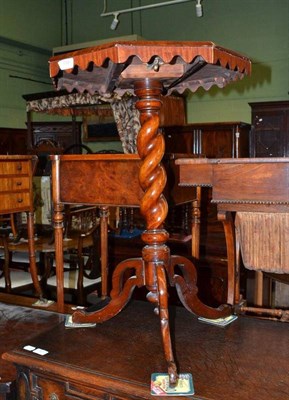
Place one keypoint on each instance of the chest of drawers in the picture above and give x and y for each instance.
(16, 191)
(16, 195)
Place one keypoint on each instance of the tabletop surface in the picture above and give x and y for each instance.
(178, 65)
(245, 360)
(19, 324)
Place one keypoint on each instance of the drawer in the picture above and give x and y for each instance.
(53, 388)
(13, 184)
(14, 202)
(14, 168)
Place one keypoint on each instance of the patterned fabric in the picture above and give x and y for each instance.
(83, 104)
(127, 120)
(71, 104)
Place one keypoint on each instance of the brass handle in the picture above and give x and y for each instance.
(19, 200)
(18, 183)
(19, 167)
(53, 396)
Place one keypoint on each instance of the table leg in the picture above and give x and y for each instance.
(229, 229)
(103, 210)
(32, 259)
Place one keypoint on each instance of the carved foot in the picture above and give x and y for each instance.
(186, 285)
(120, 294)
(161, 300)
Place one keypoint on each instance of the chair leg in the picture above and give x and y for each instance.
(13, 225)
(6, 265)
(258, 296)
(80, 294)
(47, 259)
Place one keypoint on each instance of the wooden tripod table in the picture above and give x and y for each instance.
(147, 70)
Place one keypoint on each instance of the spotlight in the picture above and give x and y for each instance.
(199, 9)
(114, 23)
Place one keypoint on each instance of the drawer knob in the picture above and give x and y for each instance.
(53, 396)
(20, 200)
(19, 167)
(19, 183)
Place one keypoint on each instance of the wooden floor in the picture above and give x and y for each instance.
(27, 301)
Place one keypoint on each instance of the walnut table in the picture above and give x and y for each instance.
(148, 70)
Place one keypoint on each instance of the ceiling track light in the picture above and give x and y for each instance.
(115, 22)
(199, 8)
(115, 14)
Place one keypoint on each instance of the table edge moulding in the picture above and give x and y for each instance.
(147, 70)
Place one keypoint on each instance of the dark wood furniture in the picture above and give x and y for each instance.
(45, 138)
(19, 325)
(270, 129)
(245, 360)
(16, 195)
(252, 185)
(105, 180)
(61, 134)
(149, 70)
(211, 140)
(270, 138)
(228, 139)
(13, 141)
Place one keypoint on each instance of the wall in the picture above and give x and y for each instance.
(258, 28)
(28, 31)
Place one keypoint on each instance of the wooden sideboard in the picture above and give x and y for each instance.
(16, 195)
(114, 360)
(212, 140)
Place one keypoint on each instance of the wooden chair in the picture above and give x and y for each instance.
(10, 221)
(82, 259)
(80, 247)
(14, 257)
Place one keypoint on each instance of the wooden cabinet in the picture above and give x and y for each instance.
(16, 184)
(45, 138)
(270, 129)
(58, 134)
(173, 111)
(212, 140)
